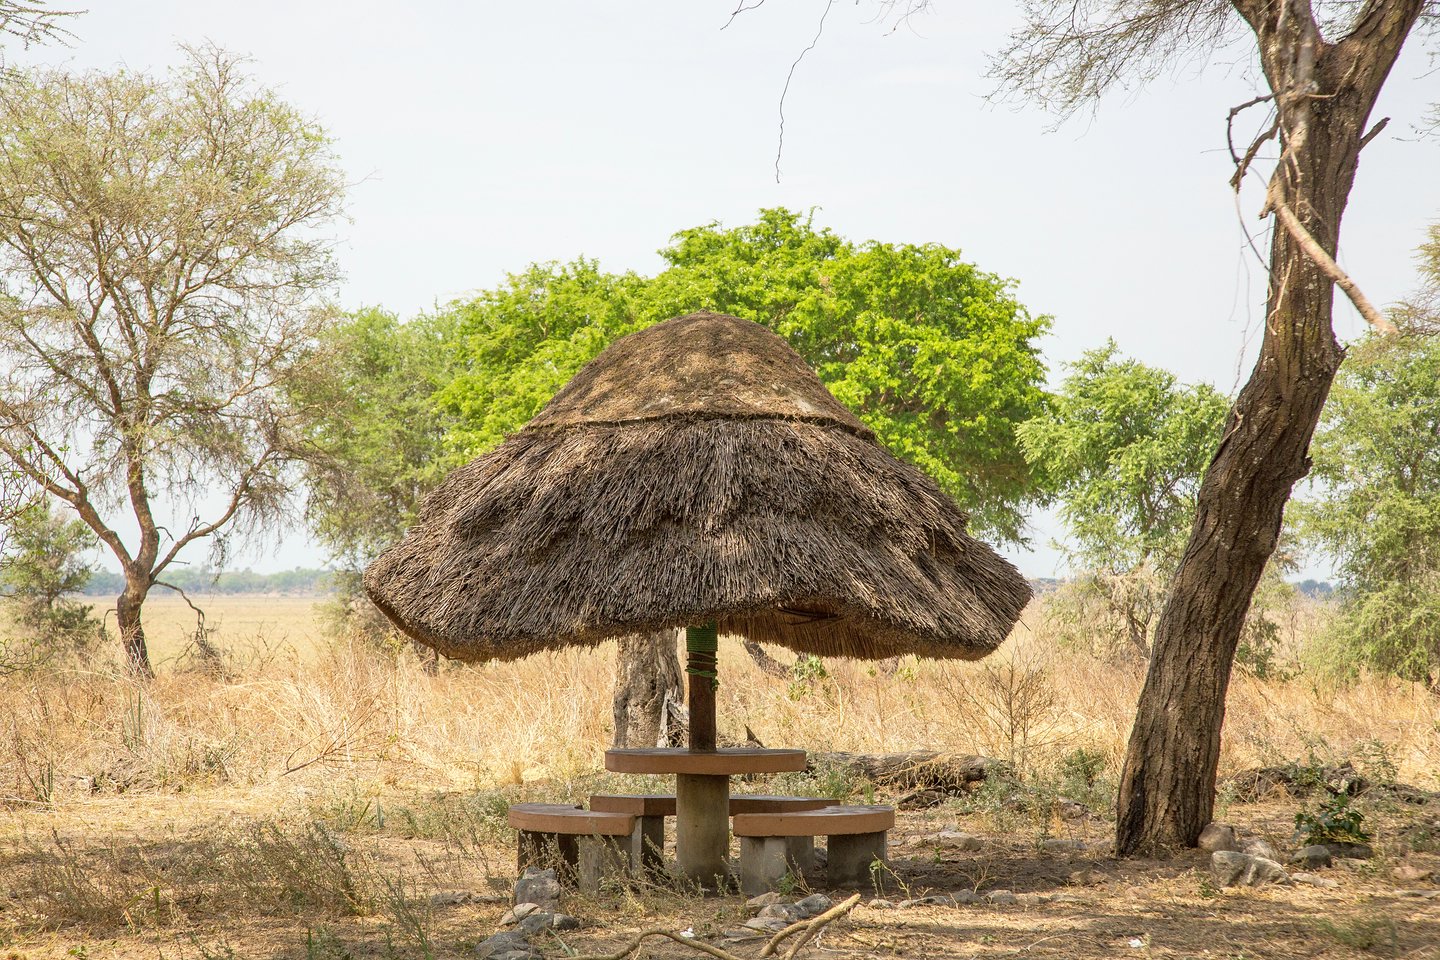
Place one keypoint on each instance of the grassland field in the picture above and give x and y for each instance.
(314, 797)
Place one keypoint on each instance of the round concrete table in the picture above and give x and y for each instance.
(702, 796)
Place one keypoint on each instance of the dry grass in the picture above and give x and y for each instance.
(326, 792)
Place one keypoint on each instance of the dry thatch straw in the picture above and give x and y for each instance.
(697, 470)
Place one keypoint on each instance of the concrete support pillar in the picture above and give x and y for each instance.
(801, 853)
(646, 845)
(850, 858)
(601, 859)
(702, 828)
(764, 862)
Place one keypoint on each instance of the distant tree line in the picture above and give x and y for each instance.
(297, 582)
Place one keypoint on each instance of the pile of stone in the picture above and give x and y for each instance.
(773, 913)
(1256, 862)
(537, 909)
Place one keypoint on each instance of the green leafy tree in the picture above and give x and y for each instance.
(1123, 447)
(376, 444)
(161, 259)
(1377, 459)
(44, 567)
(521, 342)
(936, 356)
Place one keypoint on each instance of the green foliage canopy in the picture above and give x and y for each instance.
(1124, 446)
(378, 441)
(935, 355)
(1377, 459)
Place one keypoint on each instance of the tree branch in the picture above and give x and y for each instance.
(806, 928)
(1242, 164)
(1374, 132)
(809, 928)
(780, 144)
(1328, 266)
(237, 499)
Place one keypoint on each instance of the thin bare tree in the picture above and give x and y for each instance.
(160, 266)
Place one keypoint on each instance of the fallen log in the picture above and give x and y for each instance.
(914, 769)
(1261, 783)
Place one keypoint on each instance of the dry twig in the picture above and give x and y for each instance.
(806, 928)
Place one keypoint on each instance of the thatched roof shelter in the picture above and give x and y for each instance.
(696, 471)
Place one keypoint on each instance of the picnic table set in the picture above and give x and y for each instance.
(698, 474)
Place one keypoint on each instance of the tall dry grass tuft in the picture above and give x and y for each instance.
(343, 713)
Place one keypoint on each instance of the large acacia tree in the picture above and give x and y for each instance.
(160, 262)
(1321, 66)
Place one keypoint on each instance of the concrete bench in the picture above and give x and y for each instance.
(651, 809)
(855, 836)
(663, 805)
(584, 846)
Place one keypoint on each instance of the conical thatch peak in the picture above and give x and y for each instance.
(704, 365)
(695, 471)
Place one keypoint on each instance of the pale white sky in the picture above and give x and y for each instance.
(482, 136)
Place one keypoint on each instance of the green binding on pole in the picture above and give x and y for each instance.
(702, 642)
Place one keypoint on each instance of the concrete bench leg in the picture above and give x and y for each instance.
(646, 845)
(601, 859)
(851, 857)
(801, 853)
(558, 850)
(764, 862)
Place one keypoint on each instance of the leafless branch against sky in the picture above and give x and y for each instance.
(820, 29)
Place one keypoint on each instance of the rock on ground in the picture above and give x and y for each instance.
(1315, 880)
(540, 887)
(543, 920)
(1313, 857)
(813, 905)
(1409, 873)
(1217, 836)
(955, 840)
(1232, 868)
(1260, 848)
(506, 945)
(763, 901)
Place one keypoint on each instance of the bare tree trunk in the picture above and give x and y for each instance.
(132, 630)
(766, 663)
(1324, 94)
(648, 668)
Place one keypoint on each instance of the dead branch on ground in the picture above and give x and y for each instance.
(807, 929)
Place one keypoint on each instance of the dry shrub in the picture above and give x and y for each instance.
(261, 867)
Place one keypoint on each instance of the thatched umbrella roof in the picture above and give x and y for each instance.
(696, 471)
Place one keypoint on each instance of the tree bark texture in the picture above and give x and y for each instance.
(767, 664)
(132, 630)
(1324, 94)
(647, 669)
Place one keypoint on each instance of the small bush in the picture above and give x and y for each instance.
(1333, 821)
